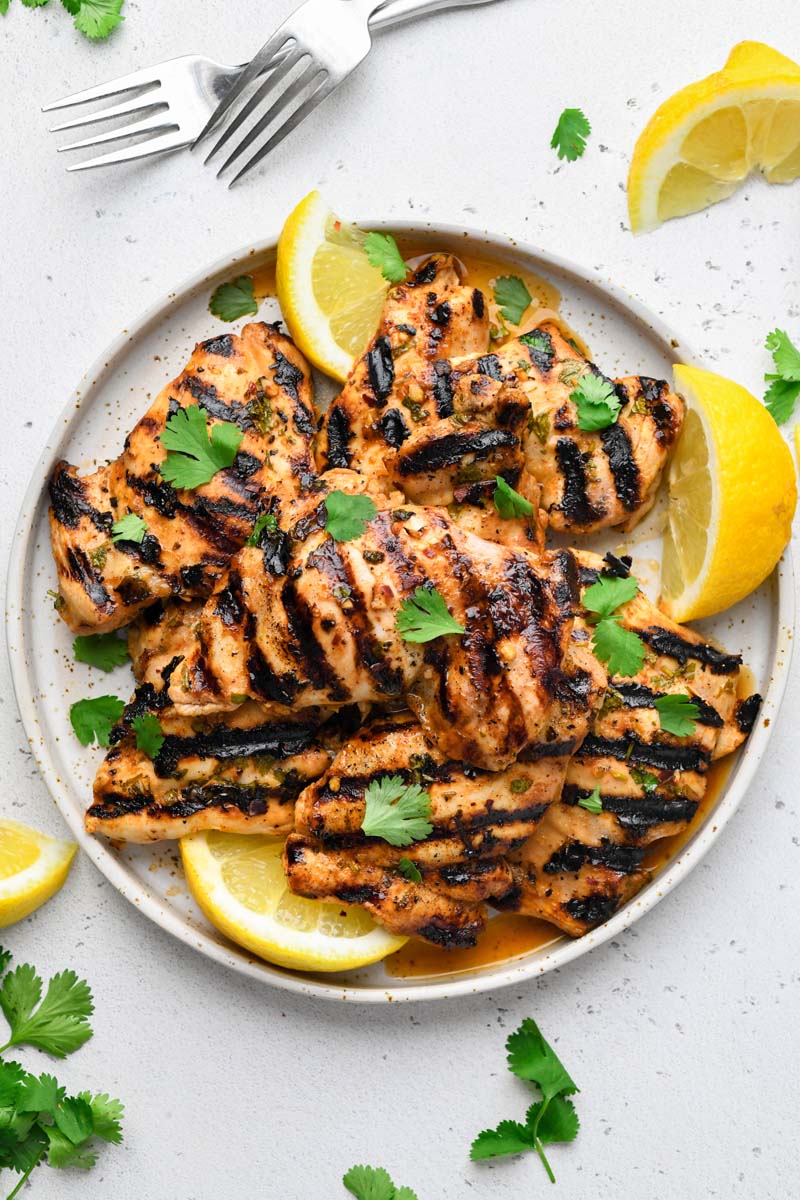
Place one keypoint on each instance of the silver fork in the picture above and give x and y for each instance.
(172, 101)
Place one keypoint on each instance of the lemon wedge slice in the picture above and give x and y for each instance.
(239, 883)
(330, 295)
(732, 496)
(32, 867)
(704, 141)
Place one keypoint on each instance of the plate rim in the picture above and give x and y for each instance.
(164, 915)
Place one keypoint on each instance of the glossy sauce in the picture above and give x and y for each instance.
(507, 936)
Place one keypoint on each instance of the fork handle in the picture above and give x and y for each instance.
(395, 11)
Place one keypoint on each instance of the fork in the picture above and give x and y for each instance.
(321, 43)
(174, 100)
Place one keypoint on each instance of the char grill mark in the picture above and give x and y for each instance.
(489, 364)
(618, 449)
(274, 740)
(380, 369)
(82, 571)
(655, 393)
(339, 437)
(450, 937)
(229, 606)
(222, 345)
(443, 388)
(638, 814)
(478, 303)
(659, 755)
(664, 641)
(393, 427)
(540, 349)
(592, 910)
(304, 647)
(69, 503)
(266, 683)
(209, 399)
(575, 503)
(289, 377)
(250, 799)
(568, 860)
(448, 450)
(404, 568)
(146, 699)
(638, 695)
(747, 711)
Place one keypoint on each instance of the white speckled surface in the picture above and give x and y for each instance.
(683, 1033)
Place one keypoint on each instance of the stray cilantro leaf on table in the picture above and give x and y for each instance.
(508, 502)
(103, 650)
(425, 616)
(130, 528)
(94, 718)
(373, 1183)
(396, 811)
(263, 521)
(784, 382)
(347, 515)
(193, 457)
(622, 650)
(511, 297)
(149, 734)
(409, 870)
(60, 1023)
(677, 713)
(382, 251)
(551, 1119)
(597, 403)
(571, 132)
(97, 18)
(230, 301)
(592, 803)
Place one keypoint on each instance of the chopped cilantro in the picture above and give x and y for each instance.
(508, 502)
(103, 650)
(347, 515)
(511, 297)
(382, 251)
(425, 616)
(677, 713)
(597, 403)
(130, 528)
(149, 734)
(193, 457)
(409, 870)
(94, 718)
(263, 521)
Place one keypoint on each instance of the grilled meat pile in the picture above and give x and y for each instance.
(274, 662)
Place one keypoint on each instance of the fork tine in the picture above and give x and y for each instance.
(290, 93)
(291, 122)
(103, 91)
(140, 104)
(258, 96)
(157, 145)
(270, 50)
(159, 122)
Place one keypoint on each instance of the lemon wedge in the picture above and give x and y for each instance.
(704, 141)
(32, 868)
(732, 496)
(330, 295)
(239, 883)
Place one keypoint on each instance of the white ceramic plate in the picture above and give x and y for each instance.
(624, 337)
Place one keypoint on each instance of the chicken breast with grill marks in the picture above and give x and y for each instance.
(259, 382)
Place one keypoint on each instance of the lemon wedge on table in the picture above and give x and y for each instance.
(32, 867)
(732, 495)
(704, 141)
(330, 296)
(239, 883)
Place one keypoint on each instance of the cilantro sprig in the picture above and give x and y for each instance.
(347, 515)
(677, 713)
(383, 253)
(551, 1119)
(130, 528)
(784, 382)
(373, 1183)
(396, 811)
(508, 502)
(263, 521)
(103, 650)
(39, 1122)
(424, 616)
(597, 403)
(193, 457)
(409, 870)
(230, 301)
(570, 134)
(95, 19)
(592, 803)
(94, 718)
(512, 297)
(148, 733)
(622, 650)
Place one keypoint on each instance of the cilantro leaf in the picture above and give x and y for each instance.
(396, 811)
(103, 650)
(508, 502)
(592, 803)
(425, 616)
(4, 7)
(597, 403)
(511, 297)
(382, 251)
(571, 132)
(230, 301)
(40, 1094)
(94, 718)
(646, 781)
(531, 1057)
(5, 959)
(369, 1183)
(12, 1079)
(620, 649)
(73, 1117)
(71, 6)
(609, 593)
(64, 1153)
(405, 1193)
(510, 1137)
(96, 18)
(24, 1154)
(60, 1024)
(784, 385)
(780, 398)
(785, 355)
(149, 735)
(409, 870)
(130, 528)
(35, 3)
(263, 521)
(193, 458)
(106, 1115)
(347, 515)
(677, 713)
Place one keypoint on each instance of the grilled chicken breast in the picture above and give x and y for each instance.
(259, 382)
